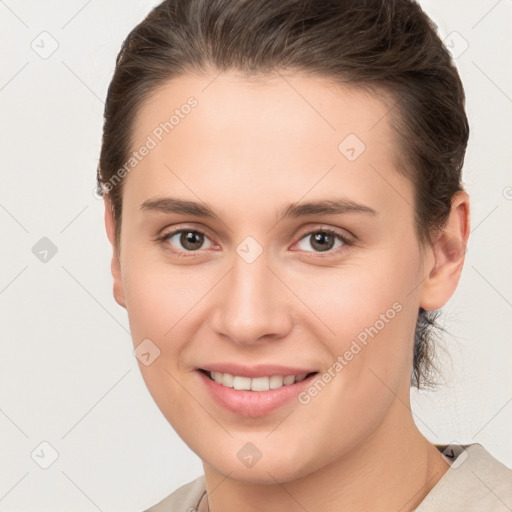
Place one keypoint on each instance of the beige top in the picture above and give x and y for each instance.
(475, 482)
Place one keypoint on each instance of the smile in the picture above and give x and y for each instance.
(254, 392)
(255, 384)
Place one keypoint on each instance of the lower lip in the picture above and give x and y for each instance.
(253, 403)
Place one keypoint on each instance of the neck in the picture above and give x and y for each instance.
(394, 469)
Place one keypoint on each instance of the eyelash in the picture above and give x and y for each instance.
(164, 240)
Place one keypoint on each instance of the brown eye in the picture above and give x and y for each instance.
(185, 240)
(191, 240)
(324, 240)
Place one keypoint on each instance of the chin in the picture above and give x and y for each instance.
(282, 465)
(262, 473)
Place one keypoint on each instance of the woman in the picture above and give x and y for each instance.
(282, 185)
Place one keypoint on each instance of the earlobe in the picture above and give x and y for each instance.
(449, 251)
(115, 264)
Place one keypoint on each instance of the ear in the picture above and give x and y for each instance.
(449, 251)
(115, 265)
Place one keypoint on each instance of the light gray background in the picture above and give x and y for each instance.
(68, 376)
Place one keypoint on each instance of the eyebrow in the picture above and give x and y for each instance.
(292, 210)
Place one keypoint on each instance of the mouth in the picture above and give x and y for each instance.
(258, 384)
(257, 392)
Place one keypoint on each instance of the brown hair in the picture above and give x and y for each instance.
(386, 45)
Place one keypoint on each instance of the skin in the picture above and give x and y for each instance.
(248, 149)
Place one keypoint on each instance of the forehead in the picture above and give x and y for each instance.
(284, 132)
(287, 103)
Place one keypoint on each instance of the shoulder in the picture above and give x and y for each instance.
(476, 481)
(183, 499)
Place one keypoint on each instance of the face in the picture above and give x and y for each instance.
(223, 268)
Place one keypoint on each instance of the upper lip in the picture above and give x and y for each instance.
(260, 370)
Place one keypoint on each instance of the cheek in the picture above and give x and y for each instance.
(348, 301)
(370, 314)
(163, 303)
(158, 303)
(158, 297)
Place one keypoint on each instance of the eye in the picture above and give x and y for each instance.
(188, 242)
(323, 240)
(185, 240)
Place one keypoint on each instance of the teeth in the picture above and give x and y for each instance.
(260, 384)
(289, 379)
(256, 384)
(242, 383)
(276, 381)
(227, 380)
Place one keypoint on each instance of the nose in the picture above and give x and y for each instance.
(251, 303)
